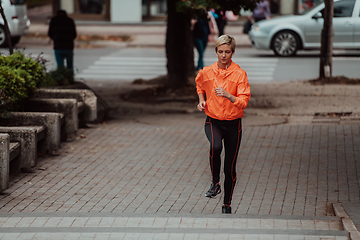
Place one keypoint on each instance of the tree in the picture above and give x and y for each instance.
(7, 31)
(179, 47)
(327, 34)
(179, 41)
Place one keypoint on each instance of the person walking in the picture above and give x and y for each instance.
(224, 92)
(221, 21)
(201, 31)
(262, 11)
(62, 31)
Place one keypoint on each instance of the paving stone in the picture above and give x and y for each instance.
(25, 222)
(11, 236)
(114, 236)
(12, 222)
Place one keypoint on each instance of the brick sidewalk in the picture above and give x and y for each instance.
(162, 167)
(157, 166)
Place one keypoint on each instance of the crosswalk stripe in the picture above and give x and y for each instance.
(138, 63)
(212, 59)
(142, 64)
(124, 69)
(245, 66)
(116, 77)
(121, 71)
(152, 59)
(259, 70)
(252, 79)
(346, 58)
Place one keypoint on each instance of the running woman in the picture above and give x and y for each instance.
(224, 93)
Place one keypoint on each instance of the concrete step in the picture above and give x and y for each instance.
(168, 226)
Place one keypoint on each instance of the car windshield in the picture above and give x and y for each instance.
(316, 3)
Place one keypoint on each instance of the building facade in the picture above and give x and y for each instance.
(137, 11)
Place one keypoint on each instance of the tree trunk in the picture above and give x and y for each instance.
(179, 48)
(7, 31)
(327, 34)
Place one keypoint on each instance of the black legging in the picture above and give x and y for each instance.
(230, 132)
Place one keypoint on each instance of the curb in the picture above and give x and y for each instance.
(346, 221)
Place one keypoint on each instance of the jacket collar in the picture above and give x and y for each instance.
(232, 67)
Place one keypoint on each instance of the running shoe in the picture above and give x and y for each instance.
(213, 191)
(226, 209)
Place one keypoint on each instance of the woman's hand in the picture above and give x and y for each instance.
(221, 92)
(201, 106)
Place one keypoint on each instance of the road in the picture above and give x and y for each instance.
(127, 64)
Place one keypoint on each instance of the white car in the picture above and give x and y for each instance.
(18, 22)
(287, 34)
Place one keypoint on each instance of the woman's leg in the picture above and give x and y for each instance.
(232, 140)
(214, 136)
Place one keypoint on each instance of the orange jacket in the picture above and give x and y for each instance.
(233, 80)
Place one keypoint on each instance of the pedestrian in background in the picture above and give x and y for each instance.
(221, 21)
(262, 11)
(247, 25)
(226, 89)
(201, 31)
(62, 31)
(214, 30)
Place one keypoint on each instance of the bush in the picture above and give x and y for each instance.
(58, 77)
(20, 76)
(35, 71)
(13, 88)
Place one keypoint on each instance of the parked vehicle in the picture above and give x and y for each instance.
(16, 16)
(286, 35)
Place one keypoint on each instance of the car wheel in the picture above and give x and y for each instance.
(285, 44)
(3, 42)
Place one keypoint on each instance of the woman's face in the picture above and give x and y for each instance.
(224, 53)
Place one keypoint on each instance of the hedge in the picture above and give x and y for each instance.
(20, 76)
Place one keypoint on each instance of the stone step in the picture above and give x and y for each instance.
(168, 226)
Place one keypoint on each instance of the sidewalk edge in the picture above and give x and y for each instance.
(346, 221)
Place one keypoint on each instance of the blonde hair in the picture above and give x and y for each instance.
(225, 39)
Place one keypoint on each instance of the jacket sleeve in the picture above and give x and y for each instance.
(243, 92)
(51, 30)
(199, 80)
